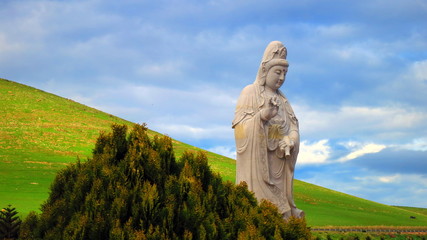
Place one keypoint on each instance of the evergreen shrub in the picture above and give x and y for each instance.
(9, 223)
(133, 188)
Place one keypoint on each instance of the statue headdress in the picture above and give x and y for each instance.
(275, 54)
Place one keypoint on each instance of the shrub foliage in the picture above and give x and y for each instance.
(133, 188)
(9, 223)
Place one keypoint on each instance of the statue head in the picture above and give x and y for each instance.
(274, 55)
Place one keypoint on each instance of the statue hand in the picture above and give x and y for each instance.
(286, 144)
(286, 141)
(274, 106)
(272, 109)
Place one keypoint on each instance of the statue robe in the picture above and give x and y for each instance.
(260, 161)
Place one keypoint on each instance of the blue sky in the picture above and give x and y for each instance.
(357, 78)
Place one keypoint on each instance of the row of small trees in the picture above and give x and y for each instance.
(133, 188)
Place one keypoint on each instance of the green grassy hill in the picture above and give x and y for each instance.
(414, 209)
(41, 133)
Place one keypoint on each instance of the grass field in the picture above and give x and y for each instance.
(41, 133)
(325, 207)
(414, 209)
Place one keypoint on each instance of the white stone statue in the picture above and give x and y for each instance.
(267, 134)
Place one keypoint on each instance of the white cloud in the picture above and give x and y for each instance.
(182, 131)
(375, 123)
(6, 45)
(88, 101)
(419, 144)
(398, 178)
(419, 70)
(206, 97)
(314, 153)
(389, 179)
(94, 45)
(397, 189)
(358, 150)
(320, 152)
(373, 180)
(225, 151)
(168, 69)
(358, 53)
(407, 86)
(383, 117)
(336, 30)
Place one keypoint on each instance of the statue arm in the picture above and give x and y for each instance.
(246, 118)
(245, 106)
(294, 136)
(294, 128)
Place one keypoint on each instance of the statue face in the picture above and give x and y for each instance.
(275, 77)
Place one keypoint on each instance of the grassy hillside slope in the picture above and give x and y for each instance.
(325, 207)
(414, 209)
(41, 133)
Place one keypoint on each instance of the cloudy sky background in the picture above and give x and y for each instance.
(357, 79)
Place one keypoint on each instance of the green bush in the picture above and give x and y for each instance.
(29, 227)
(133, 188)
